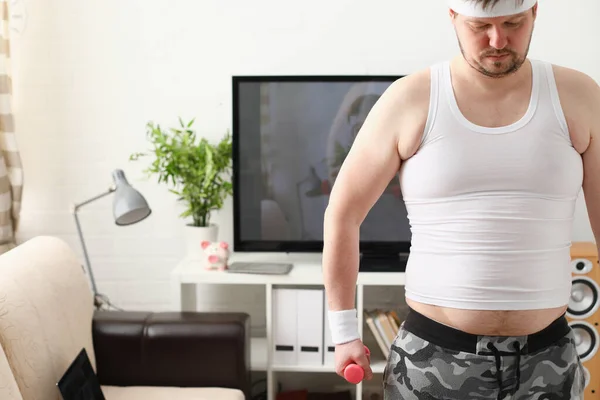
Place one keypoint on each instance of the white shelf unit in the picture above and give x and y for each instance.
(190, 273)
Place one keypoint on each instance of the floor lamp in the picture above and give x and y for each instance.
(129, 207)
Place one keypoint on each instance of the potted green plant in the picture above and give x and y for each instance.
(195, 170)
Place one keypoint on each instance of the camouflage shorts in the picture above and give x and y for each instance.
(431, 361)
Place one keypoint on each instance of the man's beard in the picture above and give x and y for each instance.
(510, 65)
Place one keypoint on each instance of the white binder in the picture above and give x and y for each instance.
(285, 327)
(310, 326)
(328, 346)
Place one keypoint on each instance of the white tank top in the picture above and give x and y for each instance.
(491, 209)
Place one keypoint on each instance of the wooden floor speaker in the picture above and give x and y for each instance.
(583, 312)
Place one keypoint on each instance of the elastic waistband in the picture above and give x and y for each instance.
(457, 340)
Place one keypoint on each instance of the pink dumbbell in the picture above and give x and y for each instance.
(354, 373)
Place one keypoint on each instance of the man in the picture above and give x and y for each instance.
(493, 149)
(354, 109)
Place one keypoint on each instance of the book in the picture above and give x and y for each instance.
(384, 325)
(370, 319)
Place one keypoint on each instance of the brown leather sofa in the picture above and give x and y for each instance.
(47, 317)
(193, 350)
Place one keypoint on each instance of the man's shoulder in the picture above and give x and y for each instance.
(413, 88)
(575, 82)
(579, 96)
(414, 80)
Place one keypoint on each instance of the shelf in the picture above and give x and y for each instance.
(303, 273)
(304, 368)
(377, 368)
(258, 354)
(258, 361)
(307, 271)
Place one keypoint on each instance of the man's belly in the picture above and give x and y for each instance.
(490, 323)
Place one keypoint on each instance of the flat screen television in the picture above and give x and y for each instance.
(290, 135)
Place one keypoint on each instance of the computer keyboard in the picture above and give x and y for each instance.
(260, 268)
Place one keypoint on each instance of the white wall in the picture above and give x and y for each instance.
(90, 74)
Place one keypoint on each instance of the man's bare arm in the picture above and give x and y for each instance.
(371, 164)
(591, 165)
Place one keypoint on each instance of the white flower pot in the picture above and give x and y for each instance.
(195, 235)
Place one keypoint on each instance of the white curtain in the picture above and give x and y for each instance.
(11, 169)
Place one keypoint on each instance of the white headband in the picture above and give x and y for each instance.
(471, 8)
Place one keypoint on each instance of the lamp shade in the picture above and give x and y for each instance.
(129, 206)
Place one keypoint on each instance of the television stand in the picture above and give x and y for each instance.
(189, 276)
(383, 262)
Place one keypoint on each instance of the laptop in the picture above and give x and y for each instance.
(79, 381)
(268, 268)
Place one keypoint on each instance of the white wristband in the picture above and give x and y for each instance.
(343, 326)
